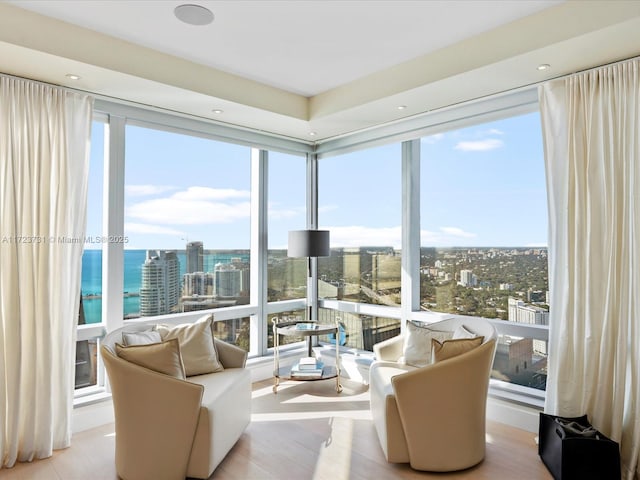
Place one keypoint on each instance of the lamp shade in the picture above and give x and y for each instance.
(309, 243)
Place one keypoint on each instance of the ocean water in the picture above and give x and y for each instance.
(133, 260)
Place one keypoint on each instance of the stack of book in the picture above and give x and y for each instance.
(307, 368)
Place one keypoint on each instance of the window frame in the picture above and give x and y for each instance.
(117, 115)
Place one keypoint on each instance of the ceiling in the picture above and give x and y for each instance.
(307, 69)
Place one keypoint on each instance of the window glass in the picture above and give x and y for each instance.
(288, 316)
(187, 224)
(357, 330)
(360, 204)
(92, 254)
(287, 277)
(484, 233)
(234, 331)
(91, 281)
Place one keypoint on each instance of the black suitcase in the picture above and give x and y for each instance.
(573, 450)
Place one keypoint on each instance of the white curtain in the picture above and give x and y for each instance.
(44, 147)
(591, 129)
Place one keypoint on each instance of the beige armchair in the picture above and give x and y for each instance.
(433, 417)
(168, 428)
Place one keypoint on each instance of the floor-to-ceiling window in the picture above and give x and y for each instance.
(286, 276)
(91, 289)
(484, 234)
(359, 202)
(188, 222)
(186, 227)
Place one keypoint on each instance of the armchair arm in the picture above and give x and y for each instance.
(230, 355)
(442, 408)
(389, 350)
(156, 417)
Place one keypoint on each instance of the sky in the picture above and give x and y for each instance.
(480, 186)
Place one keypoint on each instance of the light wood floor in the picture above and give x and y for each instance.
(305, 432)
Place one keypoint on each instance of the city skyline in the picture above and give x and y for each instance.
(482, 186)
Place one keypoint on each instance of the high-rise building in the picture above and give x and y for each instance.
(197, 283)
(160, 288)
(468, 279)
(227, 280)
(195, 257)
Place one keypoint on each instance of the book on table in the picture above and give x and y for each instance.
(307, 372)
(308, 363)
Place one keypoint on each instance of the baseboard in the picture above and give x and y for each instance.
(513, 414)
(86, 417)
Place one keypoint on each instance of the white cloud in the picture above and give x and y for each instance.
(494, 131)
(193, 206)
(479, 145)
(457, 232)
(327, 208)
(150, 229)
(277, 213)
(144, 190)
(171, 211)
(445, 237)
(359, 236)
(433, 138)
(207, 193)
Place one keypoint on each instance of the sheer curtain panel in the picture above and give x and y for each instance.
(591, 128)
(44, 147)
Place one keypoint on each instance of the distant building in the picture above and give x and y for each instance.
(506, 286)
(195, 257)
(197, 283)
(536, 296)
(227, 280)
(514, 355)
(522, 313)
(468, 279)
(160, 288)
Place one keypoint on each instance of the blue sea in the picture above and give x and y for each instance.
(133, 260)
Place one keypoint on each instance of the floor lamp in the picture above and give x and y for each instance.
(309, 243)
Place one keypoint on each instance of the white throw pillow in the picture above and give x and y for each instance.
(417, 343)
(462, 332)
(197, 347)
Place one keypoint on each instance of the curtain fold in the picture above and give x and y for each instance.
(44, 164)
(591, 132)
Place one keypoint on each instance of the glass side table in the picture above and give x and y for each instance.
(306, 330)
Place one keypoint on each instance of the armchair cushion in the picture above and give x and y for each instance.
(160, 357)
(453, 347)
(417, 343)
(196, 345)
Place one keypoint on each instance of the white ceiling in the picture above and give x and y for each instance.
(292, 67)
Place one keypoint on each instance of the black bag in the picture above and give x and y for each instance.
(572, 449)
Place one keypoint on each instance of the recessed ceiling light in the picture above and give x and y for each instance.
(193, 14)
(218, 111)
(544, 66)
(312, 134)
(401, 107)
(72, 76)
